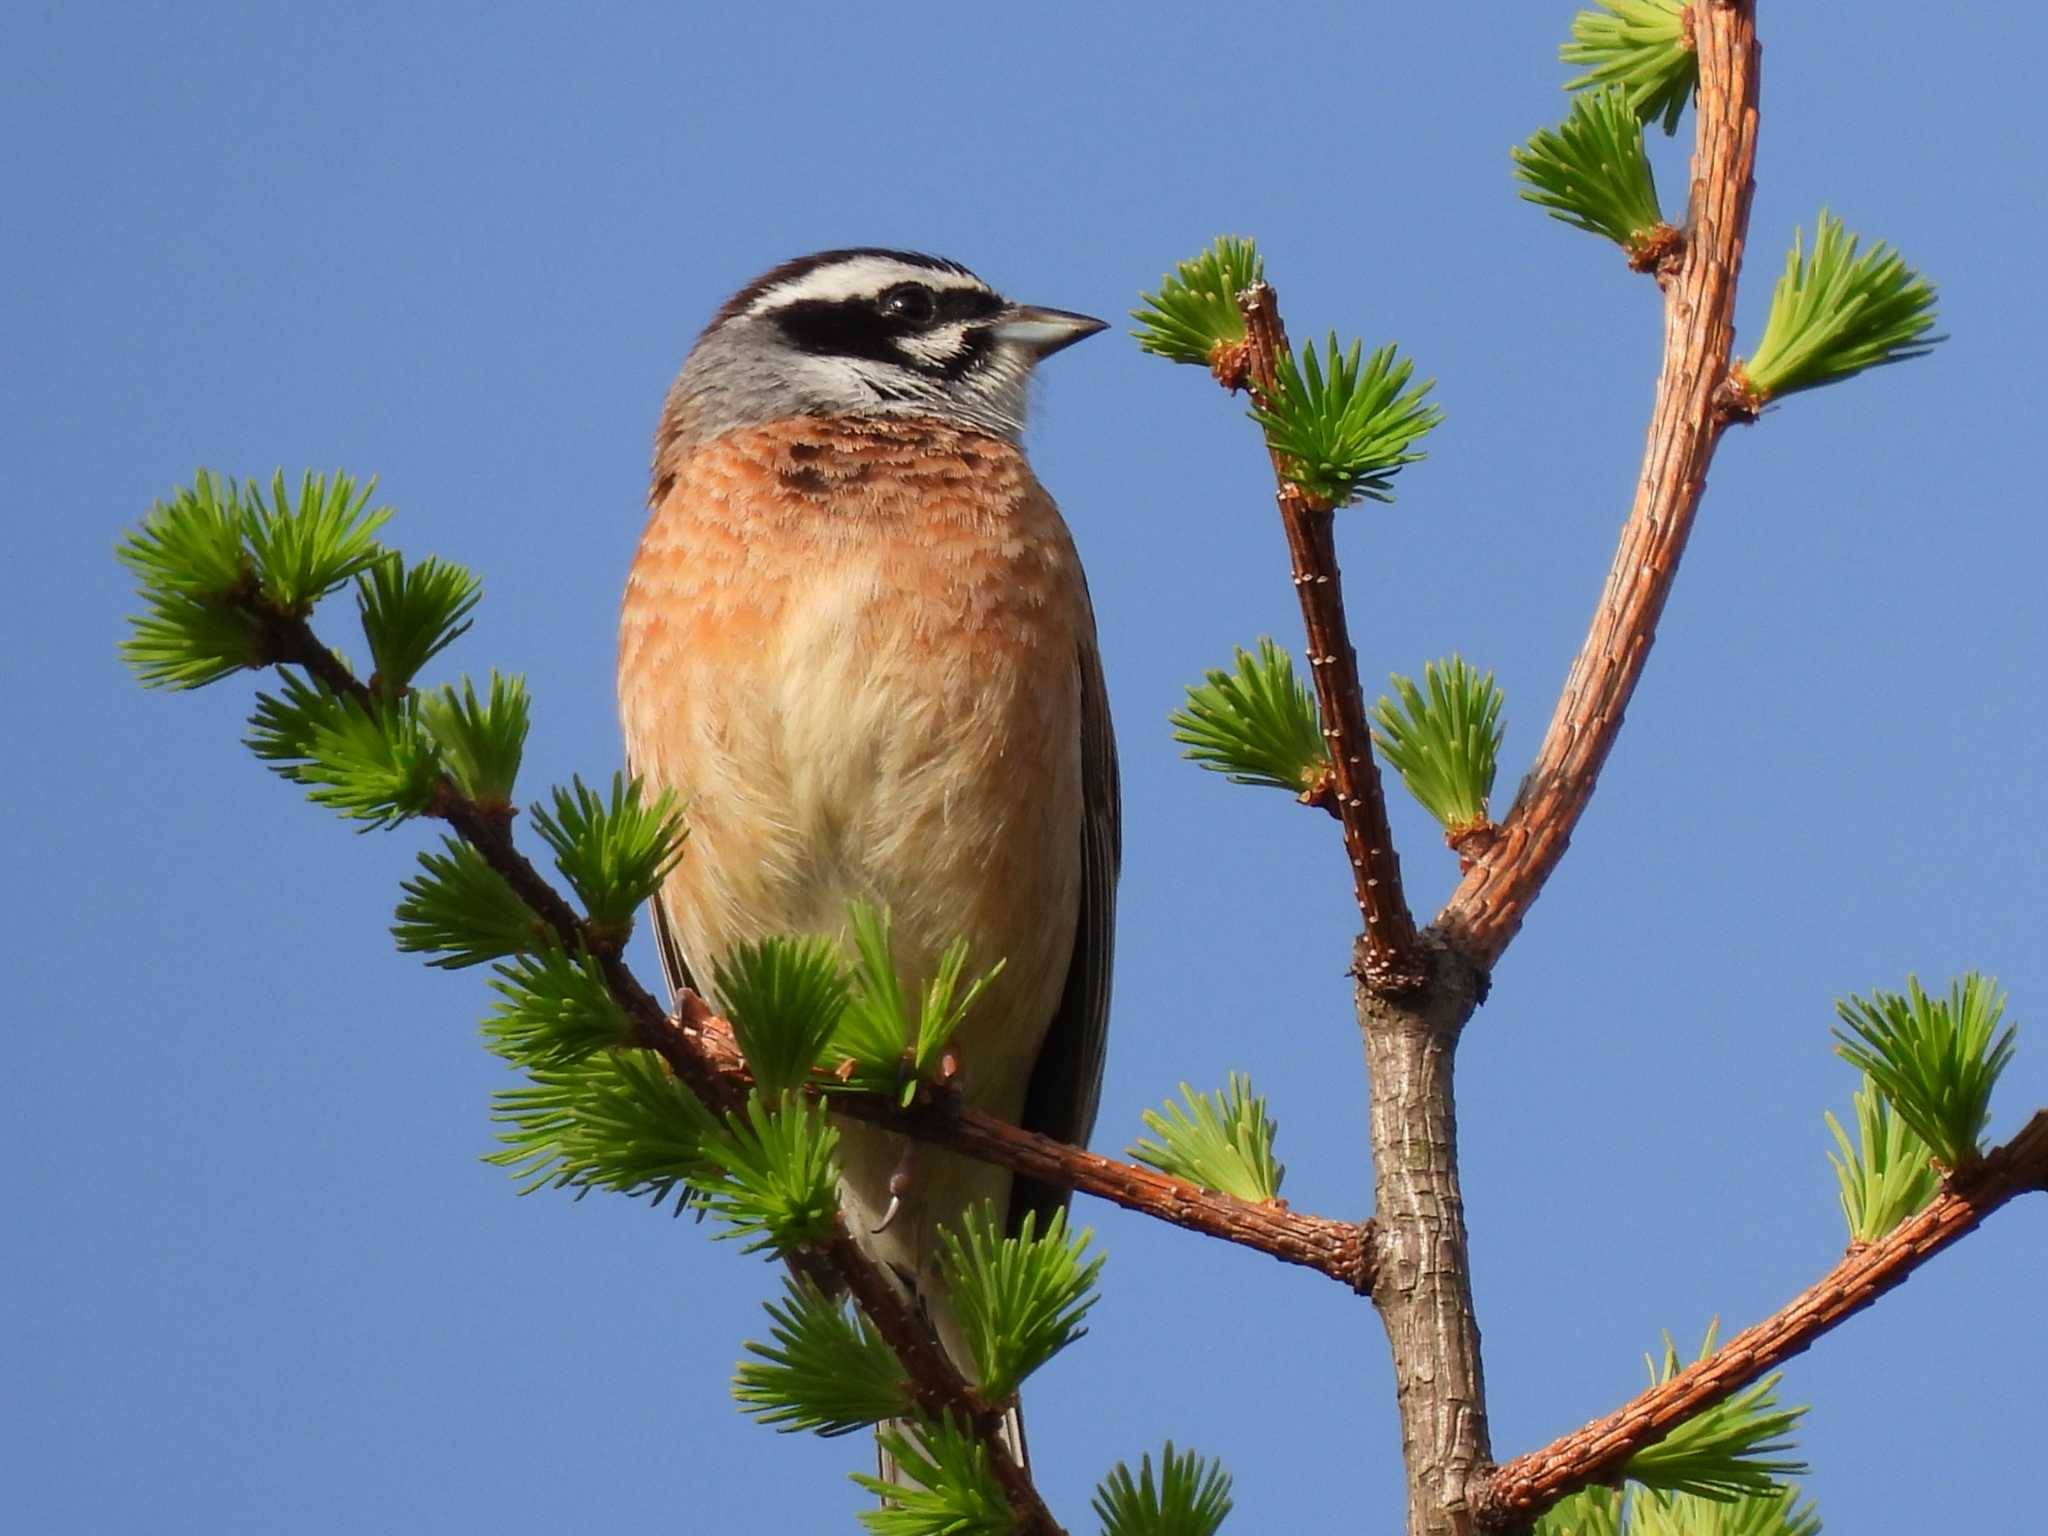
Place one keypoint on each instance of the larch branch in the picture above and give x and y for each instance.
(1523, 1488)
(1339, 1249)
(1488, 906)
(938, 1385)
(940, 1388)
(1390, 960)
(699, 1048)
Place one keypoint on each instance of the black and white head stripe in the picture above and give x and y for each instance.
(831, 276)
(865, 332)
(914, 313)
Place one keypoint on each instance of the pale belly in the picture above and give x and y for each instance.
(923, 767)
(854, 650)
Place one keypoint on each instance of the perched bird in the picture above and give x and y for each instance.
(858, 644)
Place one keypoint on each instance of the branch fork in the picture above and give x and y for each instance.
(1487, 909)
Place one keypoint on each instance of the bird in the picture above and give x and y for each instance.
(857, 643)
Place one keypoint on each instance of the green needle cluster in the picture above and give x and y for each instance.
(953, 1492)
(1727, 1452)
(1444, 740)
(1716, 1474)
(1020, 1299)
(1776, 1513)
(462, 912)
(1254, 724)
(553, 1010)
(306, 546)
(1935, 1060)
(1639, 1511)
(773, 1174)
(616, 1120)
(620, 1120)
(1218, 1141)
(1591, 172)
(825, 1370)
(880, 1045)
(378, 765)
(1594, 1511)
(220, 559)
(1837, 313)
(1345, 425)
(482, 740)
(1642, 46)
(784, 999)
(410, 615)
(1887, 1173)
(191, 556)
(1190, 1497)
(1195, 313)
(615, 851)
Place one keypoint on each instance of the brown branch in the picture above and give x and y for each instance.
(1488, 906)
(290, 639)
(1338, 1249)
(1390, 959)
(699, 1048)
(940, 1389)
(1422, 1267)
(1529, 1484)
(938, 1386)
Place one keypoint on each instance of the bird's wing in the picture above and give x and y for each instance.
(668, 944)
(1066, 1084)
(675, 970)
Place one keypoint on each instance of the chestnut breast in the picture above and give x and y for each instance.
(854, 648)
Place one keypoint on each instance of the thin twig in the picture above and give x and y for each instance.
(1392, 962)
(699, 1048)
(1488, 906)
(1525, 1487)
(940, 1388)
(938, 1385)
(1338, 1249)
(290, 639)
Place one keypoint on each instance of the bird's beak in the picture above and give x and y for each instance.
(1042, 332)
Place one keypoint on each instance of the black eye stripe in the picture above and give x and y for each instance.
(908, 304)
(956, 304)
(857, 328)
(914, 307)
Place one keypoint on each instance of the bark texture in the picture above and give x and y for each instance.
(1686, 424)
(1421, 1264)
(1389, 958)
(1531, 1483)
(1340, 1249)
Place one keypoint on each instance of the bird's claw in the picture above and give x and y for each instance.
(899, 1185)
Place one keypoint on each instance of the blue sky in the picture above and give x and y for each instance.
(256, 1277)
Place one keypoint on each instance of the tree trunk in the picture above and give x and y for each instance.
(1421, 1267)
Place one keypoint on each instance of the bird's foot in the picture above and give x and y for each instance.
(900, 1183)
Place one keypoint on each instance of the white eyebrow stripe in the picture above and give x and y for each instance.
(861, 277)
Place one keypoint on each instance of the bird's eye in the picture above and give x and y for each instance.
(911, 303)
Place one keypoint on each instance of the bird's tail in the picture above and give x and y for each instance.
(939, 1312)
(889, 1472)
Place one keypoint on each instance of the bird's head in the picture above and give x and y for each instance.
(866, 333)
